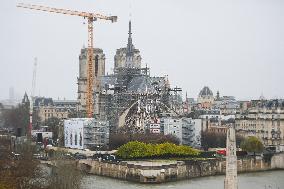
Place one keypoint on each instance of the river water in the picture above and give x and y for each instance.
(259, 180)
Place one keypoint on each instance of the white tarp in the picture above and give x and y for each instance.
(74, 133)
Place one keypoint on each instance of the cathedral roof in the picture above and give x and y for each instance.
(137, 84)
(205, 92)
(143, 84)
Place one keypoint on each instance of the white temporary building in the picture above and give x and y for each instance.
(82, 133)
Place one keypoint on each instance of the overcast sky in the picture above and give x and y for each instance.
(234, 46)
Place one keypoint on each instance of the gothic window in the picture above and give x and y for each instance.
(81, 139)
(71, 138)
(76, 139)
(96, 65)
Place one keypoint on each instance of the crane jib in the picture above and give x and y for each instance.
(91, 17)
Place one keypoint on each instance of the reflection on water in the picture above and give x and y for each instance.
(260, 180)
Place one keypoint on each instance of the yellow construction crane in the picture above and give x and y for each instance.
(91, 18)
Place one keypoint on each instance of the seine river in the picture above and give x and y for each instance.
(260, 180)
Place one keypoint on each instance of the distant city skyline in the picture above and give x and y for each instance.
(18, 96)
(232, 47)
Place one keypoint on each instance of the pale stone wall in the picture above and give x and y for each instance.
(175, 170)
(46, 112)
(120, 58)
(262, 128)
(277, 161)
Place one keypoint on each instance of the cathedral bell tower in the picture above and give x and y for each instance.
(128, 57)
(99, 70)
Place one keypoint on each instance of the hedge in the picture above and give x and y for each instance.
(135, 149)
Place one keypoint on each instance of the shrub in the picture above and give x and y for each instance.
(136, 149)
(132, 150)
(119, 139)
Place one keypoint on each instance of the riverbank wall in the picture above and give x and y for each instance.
(166, 170)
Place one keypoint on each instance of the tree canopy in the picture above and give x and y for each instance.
(252, 144)
(53, 123)
(217, 140)
(17, 117)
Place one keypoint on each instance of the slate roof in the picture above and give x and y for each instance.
(205, 92)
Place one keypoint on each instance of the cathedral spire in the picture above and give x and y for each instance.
(129, 44)
(130, 48)
(25, 99)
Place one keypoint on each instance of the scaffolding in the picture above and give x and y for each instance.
(132, 91)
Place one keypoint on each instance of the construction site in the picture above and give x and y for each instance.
(127, 100)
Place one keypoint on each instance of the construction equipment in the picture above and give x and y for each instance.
(32, 98)
(91, 18)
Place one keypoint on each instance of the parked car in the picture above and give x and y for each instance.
(108, 157)
(80, 156)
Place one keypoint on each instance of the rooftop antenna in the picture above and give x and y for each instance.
(130, 9)
(32, 99)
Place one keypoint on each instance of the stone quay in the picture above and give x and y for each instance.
(160, 171)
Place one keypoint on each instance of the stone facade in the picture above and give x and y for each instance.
(214, 125)
(99, 71)
(46, 112)
(120, 58)
(265, 122)
(48, 108)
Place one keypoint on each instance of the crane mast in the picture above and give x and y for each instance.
(91, 18)
(90, 73)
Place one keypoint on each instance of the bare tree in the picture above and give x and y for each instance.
(65, 174)
(18, 171)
